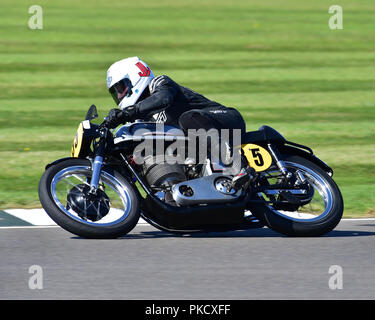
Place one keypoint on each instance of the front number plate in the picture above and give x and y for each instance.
(258, 157)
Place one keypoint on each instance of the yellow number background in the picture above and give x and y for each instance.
(77, 143)
(258, 157)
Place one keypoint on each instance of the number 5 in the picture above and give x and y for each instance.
(258, 159)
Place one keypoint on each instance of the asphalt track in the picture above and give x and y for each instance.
(150, 264)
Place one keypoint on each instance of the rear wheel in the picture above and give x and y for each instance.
(316, 217)
(64, 194)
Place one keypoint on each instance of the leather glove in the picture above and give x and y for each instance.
(116, 116)
(130, 113)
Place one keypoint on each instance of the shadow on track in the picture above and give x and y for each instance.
(251, 233)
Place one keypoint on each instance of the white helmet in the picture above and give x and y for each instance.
(127, 79)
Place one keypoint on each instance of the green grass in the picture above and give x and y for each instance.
(276, 61)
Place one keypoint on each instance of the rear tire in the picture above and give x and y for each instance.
(297, 227)
(83, 228)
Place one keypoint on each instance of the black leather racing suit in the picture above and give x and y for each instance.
(176, 105)
(168, 102)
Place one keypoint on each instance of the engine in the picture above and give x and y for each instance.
(162, 174)
(174, 184)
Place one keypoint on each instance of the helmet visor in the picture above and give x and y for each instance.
(121, 89)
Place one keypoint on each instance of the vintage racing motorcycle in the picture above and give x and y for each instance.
(99, 192)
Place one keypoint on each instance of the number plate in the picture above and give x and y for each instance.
(258, 157)
(77, 142)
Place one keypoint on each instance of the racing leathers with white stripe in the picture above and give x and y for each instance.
(176, 105)
(168, 100)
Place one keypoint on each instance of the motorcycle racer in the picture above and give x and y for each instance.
(141, 95)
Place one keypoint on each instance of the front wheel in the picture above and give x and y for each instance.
(318, 216)
(64, 194)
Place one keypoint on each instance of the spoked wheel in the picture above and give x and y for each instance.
(313, 212)
(64, 191)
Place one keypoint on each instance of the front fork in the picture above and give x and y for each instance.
(97, 163)
(96, 169)
(278, 160)
(293, 179)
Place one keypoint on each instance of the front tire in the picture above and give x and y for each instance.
(292, 224)
(60, 179)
